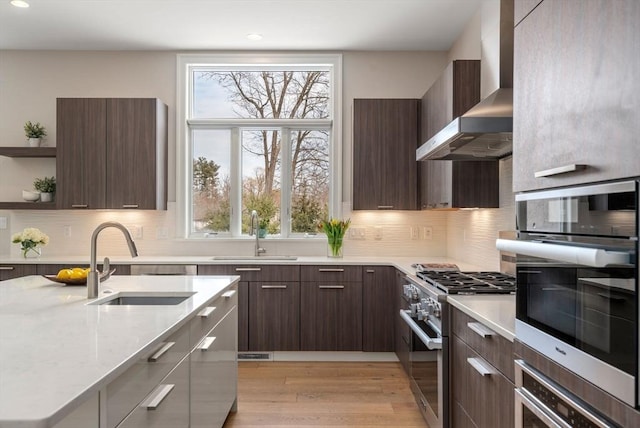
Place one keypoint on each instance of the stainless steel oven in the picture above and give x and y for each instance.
(428, 354)
(540, 402)
(576, 267)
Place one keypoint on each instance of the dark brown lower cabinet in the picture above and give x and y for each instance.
(378, 293)
(481, 395)
(10, 271)
(275, 316)
(331, 318)
(402, 336)
(243, 316)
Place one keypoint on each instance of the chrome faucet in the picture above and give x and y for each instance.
(93, 278)
(253, 228)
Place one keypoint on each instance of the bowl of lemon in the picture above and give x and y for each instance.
(74, 276)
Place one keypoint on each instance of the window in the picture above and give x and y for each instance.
(258, 134)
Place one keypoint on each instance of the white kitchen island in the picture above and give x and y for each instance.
(58, 353)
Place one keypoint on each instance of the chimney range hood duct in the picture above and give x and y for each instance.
(485, 131)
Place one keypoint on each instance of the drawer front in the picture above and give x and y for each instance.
(331, 273)
(164, 407)
(485, 394)
(214, 373)
(254, 272)
(136, 383)
(208, 317)
(16, 271)
(494, 348)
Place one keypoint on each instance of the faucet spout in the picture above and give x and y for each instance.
(93, 277)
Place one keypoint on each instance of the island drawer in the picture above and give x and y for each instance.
(124, 393)
(208, 317)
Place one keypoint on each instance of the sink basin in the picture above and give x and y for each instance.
(254, 258)
(143, 299)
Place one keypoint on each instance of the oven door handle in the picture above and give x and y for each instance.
(432, 344)
(592, 257)
(537, 408)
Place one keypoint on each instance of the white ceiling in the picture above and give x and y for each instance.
(223, 24)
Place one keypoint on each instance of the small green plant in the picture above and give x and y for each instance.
(45, 185)
(36, 130)
(263, 223)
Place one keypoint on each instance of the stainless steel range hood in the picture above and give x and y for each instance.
(485, 131)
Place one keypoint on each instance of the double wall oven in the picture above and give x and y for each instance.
(577, 275)
(425, 314)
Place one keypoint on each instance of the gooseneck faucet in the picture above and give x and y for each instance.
(253, 228)
(93, 278)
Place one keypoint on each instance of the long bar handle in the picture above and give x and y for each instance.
(206, 312)
(330, 270)
(370, 271)
(130, 206)
(560, 170)
(480, 329)
(480, 366)
(385, 207)
(160, 393)
(331, 286)
(249, 269)
(229, 294)
(7, 268)
(79, 205)
(161, 351)
(273, 286)
(206, 343)
(593, 257)
(429, 342)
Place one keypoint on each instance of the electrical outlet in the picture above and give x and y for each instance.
(3, 222)
(135, 230)
(66, 231)
(415, 232)
(162, 233)
(427, 233)
(357, 233)
(377, 233)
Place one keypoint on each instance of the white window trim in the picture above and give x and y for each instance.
(185, 62)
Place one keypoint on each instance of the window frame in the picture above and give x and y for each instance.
(186, 63)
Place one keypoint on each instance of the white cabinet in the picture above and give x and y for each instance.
(167, 406)
(214, 373)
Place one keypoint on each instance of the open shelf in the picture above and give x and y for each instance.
(27, 205)
(28, 152)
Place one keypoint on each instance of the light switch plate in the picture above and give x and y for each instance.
(3, 222)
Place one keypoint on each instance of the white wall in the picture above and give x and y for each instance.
(30, 81)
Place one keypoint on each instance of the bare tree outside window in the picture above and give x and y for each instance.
(267, 95)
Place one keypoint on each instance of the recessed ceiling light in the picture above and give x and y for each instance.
(254, 36)
(19, 3)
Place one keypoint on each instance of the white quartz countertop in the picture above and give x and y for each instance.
(496, 311)
(56, 351)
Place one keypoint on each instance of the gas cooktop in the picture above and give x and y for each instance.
(470, 282)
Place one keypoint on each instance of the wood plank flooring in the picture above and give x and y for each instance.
(324, 394)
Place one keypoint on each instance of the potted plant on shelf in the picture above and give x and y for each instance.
(34, 132)
(46, 186)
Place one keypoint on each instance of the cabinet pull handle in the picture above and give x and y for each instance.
(535, 272)
(480, 367)
(79, 205)
(7, 268)
(155, 398)
(330, 270)
(229, 294)
(130, 206)
(249, 269)
(331, 286)
(160, 352)
(206, 343)
(206, 311)
(274, 286)
(371, 271)
(385, 207)
(560, 170)
(480, 329)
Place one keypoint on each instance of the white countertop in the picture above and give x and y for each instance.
(496, 311)
(56, 351)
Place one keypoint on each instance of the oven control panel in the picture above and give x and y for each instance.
(422, 305)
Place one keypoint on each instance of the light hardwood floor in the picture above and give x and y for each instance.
(299, 394)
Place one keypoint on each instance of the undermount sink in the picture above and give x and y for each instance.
(143, 299)
(254, 258)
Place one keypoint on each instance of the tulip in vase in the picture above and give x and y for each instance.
(335, 230)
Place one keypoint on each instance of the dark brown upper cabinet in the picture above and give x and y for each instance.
(455, 184)
(575, 94)
(111, 153)
(385, 139)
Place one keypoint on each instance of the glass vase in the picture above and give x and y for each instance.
(31, 252)
(334, 247)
